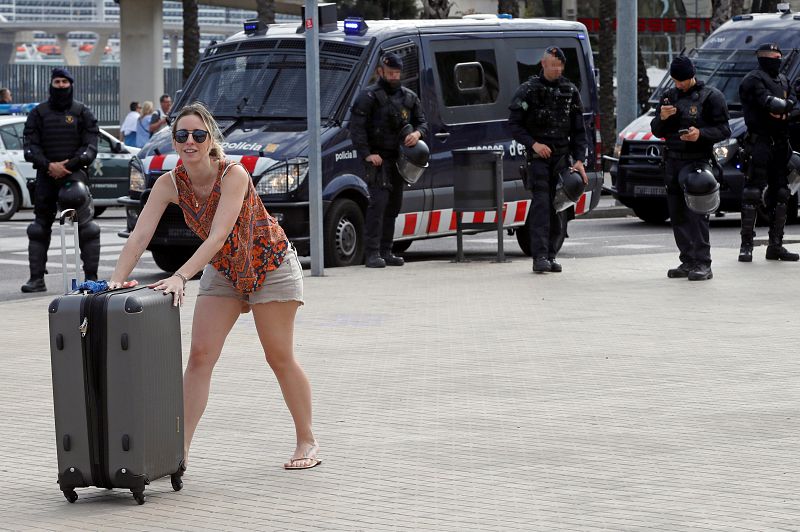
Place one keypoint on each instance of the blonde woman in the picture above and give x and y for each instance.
(143, 124)
(247, 262)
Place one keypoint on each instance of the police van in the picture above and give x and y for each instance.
(465, 72)
(723, 60)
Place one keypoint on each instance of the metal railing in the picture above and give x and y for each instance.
(96, 86)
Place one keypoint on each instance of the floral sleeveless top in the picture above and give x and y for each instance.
(256, 245)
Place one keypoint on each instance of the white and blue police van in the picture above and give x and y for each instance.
(724, 59)
(254, 84)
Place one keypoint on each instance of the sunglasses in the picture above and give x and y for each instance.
(199, 136)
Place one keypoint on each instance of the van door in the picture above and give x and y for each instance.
(472, 119)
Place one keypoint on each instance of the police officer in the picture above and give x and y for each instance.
(60, 139)
(380, 112)
(692, 117)
(547, 118)
(768, 102)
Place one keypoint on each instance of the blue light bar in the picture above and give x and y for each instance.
(254, 26)
(505, 15)
(355, 26)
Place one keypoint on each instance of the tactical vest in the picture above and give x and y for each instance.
(389, 115)
(547, 110)
(757, 118)
(690, 114)
(60, 131)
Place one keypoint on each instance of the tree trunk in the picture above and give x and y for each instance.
(266, 11)
(642, 82)
(605, 63)
(720, 13)
(191, 37)
(436, 8)
(680, 10)
(508, 6)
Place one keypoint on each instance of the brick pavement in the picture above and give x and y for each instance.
(471, 397)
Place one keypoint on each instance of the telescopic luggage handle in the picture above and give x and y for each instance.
(70, 214)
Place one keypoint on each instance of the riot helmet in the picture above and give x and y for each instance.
(700, 188)
(569, 189)
(412, 160)
(73, 194)
(794, 172)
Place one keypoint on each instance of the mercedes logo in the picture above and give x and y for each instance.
(653, 151)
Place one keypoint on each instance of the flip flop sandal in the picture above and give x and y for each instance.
(314, 463)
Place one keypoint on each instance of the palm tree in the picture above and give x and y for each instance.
(508, 6)
(266, 11)
(605, 63)
(191, 37)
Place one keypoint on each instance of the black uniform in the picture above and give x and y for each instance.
(767, 144)
(60, 129)
(704, 108)
(550, 113)
(379, 113)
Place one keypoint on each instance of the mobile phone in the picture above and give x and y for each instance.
(683, 131)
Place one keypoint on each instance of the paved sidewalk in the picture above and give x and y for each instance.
(471, 396)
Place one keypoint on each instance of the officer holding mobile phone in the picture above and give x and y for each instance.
(691, 117)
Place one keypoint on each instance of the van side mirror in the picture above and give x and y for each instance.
(469, 77)
(116, 147)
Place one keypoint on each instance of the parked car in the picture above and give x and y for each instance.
(465, 72)
(723, 60)
(108, 174)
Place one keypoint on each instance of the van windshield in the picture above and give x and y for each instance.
(269, 85)
(721, 69)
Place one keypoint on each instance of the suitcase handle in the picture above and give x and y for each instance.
(71, 215)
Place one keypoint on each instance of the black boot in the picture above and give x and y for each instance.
(746, 251)
(777, 252)
(554, 266)
(541, 265)
(374, 260)
(392, 260)
(775, 249)
(34, 285)
(701, 272)
(748, 232)
(681, 272)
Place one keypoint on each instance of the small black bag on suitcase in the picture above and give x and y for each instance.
(117, 388)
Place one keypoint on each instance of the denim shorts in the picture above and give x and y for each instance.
(280, 285)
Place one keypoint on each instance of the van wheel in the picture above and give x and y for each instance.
(652, 212)
(523, 239)
(344, 234)
(10, 198)
(401, 246)
(170, 259)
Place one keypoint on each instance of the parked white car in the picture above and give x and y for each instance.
(108, 174)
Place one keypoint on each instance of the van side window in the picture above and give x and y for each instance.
(446, 65)
(528, 64)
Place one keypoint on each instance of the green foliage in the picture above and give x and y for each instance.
(378, 9)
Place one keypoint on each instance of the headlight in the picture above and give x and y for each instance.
(618, 147)
(283, 177)
(725, 150)
(136, 178)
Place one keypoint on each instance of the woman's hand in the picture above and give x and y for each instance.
(114, 285)
(171, 285)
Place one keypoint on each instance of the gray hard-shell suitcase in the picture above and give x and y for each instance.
(117, 388)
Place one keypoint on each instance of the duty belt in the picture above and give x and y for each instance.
(769, 139)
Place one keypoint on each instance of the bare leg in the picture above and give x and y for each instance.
(275, 326)
(213, 319)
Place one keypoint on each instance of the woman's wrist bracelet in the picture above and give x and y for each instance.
(182, 278)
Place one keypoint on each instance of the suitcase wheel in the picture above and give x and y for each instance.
(139, 496)
(71, 496)
(175, 478)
